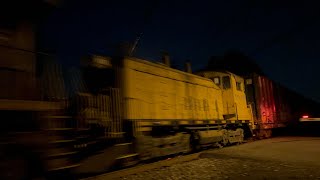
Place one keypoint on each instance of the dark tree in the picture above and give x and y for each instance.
(122, 49)
(235, 62)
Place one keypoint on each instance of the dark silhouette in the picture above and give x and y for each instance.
(236, 62)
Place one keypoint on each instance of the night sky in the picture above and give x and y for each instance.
(281, 36)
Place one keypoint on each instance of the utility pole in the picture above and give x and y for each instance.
(135, 44)
(147, 20)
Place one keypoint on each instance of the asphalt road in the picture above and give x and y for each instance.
(276, 158)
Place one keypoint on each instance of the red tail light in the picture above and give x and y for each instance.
(305, 116)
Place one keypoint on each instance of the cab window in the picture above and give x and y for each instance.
(226, 82)
(216, 80)
(238, 84)
(248, 81)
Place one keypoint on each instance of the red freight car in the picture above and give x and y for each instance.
(270, 104)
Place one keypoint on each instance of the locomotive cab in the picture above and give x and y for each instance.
(233, 95)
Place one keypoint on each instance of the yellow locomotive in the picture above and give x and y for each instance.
(156, 110)
(158, 97)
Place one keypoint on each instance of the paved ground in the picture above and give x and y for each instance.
(278, 158)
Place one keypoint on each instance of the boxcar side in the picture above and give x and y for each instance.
(274, 106)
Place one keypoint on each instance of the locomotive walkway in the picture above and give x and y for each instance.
(276, 158)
